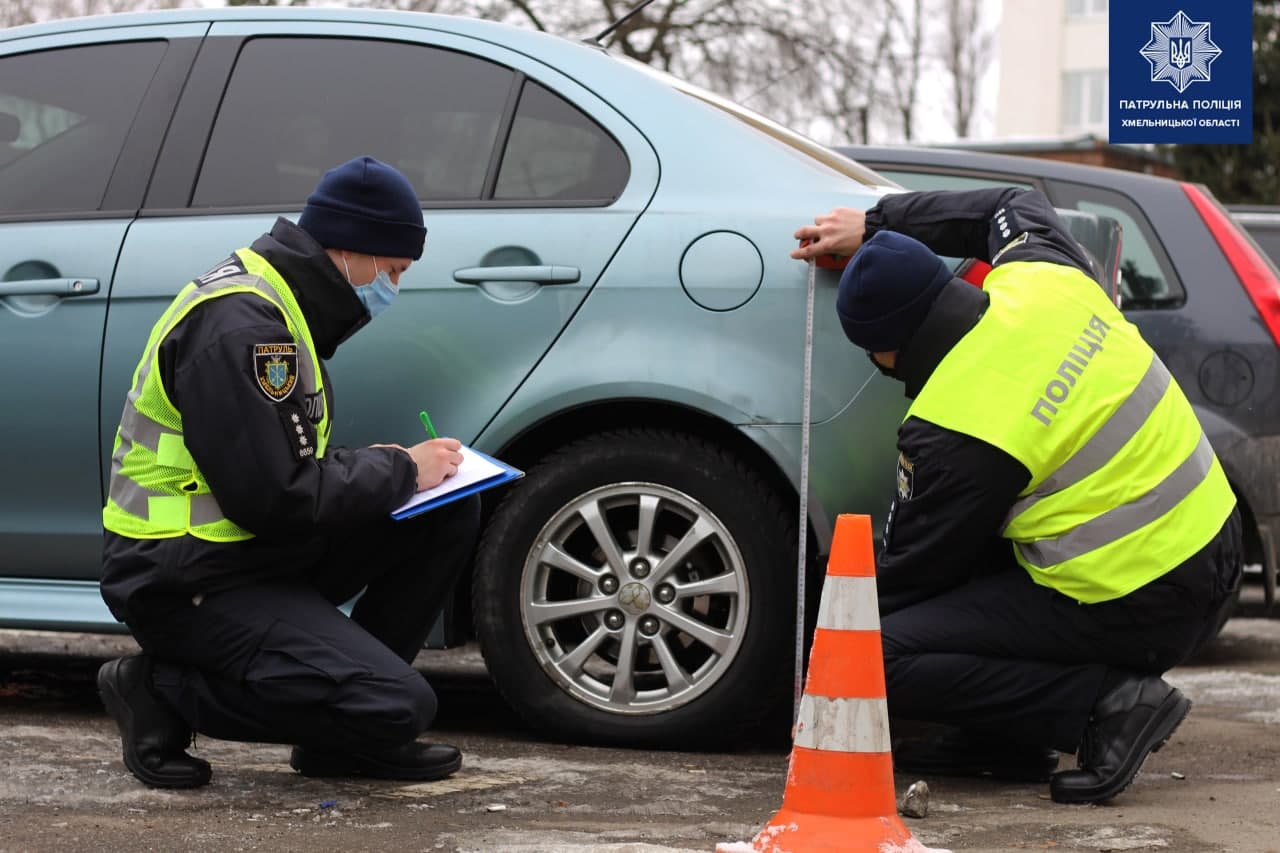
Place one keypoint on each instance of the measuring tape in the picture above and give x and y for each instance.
(806, 401)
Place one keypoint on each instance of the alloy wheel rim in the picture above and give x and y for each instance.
(634, 598)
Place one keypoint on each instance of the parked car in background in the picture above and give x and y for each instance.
(1203, 295)
(1262, 221)
(600, 303)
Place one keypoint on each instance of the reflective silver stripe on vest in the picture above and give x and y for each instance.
(138, 429)
(1122, 426)
(133, 499)
(1123, 520)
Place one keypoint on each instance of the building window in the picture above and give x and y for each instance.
(1079, 8)
(1084, 101)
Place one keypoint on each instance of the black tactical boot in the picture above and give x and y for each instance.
(961, 753)
(1131, 721)
(155, 739)
(412, 761)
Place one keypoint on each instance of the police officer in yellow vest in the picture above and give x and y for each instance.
(1062, 533)
(234, 528)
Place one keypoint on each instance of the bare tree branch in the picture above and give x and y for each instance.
(811, 72)
(965, 47)
(830, 75)
(532, 15)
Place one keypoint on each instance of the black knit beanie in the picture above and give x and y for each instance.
(887, 289)
(366, 206)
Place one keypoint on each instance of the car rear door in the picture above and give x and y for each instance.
(81, 115)
(529, 181)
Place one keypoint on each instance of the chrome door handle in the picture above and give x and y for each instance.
(49, 286)
(542, 274)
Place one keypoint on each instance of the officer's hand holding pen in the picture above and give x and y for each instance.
(437, 458)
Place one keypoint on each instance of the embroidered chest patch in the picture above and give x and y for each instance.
(276, 368)
(906, 478)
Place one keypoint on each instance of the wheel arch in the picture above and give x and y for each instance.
(570, 424)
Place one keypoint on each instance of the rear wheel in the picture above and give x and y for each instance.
(634, 589)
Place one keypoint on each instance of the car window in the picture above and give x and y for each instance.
(1267, 236)
(64, 115)
(936, 181)
(797, 143)
(556, 152)
(1146, 276)
(296, 106)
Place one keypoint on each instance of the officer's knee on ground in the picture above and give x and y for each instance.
(420, 705)
(385, 710)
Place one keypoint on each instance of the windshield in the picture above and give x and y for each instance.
(798, 142)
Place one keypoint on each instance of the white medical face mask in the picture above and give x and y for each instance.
(378, 294)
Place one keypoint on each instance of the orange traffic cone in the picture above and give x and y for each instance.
(839, 794)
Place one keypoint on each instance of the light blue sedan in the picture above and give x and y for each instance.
(606, 301)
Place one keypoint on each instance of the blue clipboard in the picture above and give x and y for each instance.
(506, 474)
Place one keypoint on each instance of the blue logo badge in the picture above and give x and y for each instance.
(1180, 72)
(1180, 51)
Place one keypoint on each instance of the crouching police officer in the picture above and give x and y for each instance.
(234, 528)
(1063, 533)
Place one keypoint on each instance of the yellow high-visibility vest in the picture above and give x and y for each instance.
(157, 490)
(1124, 484)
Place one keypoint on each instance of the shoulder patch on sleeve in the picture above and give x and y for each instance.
(906, 477)
(1016, 241)
(302, 435)
(229, 267)
(276, 368)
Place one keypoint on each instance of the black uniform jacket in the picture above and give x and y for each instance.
(261, 468)
(953, 490)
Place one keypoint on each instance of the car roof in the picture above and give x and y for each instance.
(509, 34)
(953, 158)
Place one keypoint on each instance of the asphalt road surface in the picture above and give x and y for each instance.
(1214, 787)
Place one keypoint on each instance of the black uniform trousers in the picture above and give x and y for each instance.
(1005, 657)
(278, 662)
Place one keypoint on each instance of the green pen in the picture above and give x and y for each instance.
(426, 422)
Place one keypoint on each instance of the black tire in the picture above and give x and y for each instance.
(678, 479)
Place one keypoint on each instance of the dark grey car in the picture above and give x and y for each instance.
(1204, 296)
(1262, 221)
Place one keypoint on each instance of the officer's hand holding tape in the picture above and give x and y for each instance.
(839, 232)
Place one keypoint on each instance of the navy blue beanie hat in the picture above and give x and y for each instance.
(366, 206)
(887, 289)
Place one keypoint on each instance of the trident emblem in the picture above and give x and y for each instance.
(1179, 52)
(277, 373)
